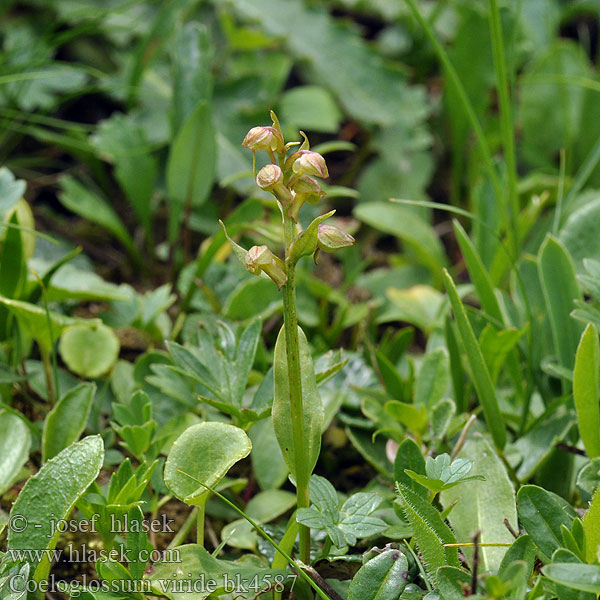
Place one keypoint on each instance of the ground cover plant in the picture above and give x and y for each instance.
(299, 299)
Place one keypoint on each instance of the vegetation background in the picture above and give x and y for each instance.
(455, 344)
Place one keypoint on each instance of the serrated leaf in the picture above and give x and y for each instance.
(429, 531)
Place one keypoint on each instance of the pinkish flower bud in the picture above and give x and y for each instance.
(308, 162)
(332, 238)
(259, 259)
(268, 177)
(264, 138)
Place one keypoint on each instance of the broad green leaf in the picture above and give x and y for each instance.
(538, 443)
(373, 451)
(585, 390)
(50, 495)
(591, 527)
(193, 566)
(404, 223)
(193, 54)
(557, 276)
(300, 466)
(123, 141)
(205, 452)
(67, 420)
(429, 531)
(310, 107)
(13, 274)
(337, 57)
(481, 376)
(441, 417)
(412, 416)
(11, 190)
(44, 329)
(15, 441)
(522, 549)
(383, 577)
(575, 576)
(268, 464)
(541, 514)
(256, 297)
(419, 305)
(550, 111)
(409, 456)
(89, 350)
(496, 347)
(12, 260)
(453, 583)
(71, 283)
(588, 479)
(433, 378)
(483, 505)
(577, 234)
(192, 160)
(89, 205)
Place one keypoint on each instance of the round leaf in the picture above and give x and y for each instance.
(89, 350)
(202, 455)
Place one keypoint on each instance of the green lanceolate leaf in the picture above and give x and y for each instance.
(478, 273)
(433, 379)
(591, 528)
(429, 531)
(15, 441)
(311, 406)
(585, 390)
(383, 577)
(481, 376)
(191, 163)
(67, 420)
(557, 276)
(585, 578)
(205, 452)
(542, 514)
(483, 505)
(50, 495)
(410, 457)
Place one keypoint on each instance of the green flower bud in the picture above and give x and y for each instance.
(332, 238)
(307, 162)
(259, 259)
(268, 177)
(264, 138)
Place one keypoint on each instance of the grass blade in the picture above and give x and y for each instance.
(481, 377)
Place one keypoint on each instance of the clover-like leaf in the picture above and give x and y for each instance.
(442, 474)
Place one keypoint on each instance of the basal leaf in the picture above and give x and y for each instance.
(311, 406)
